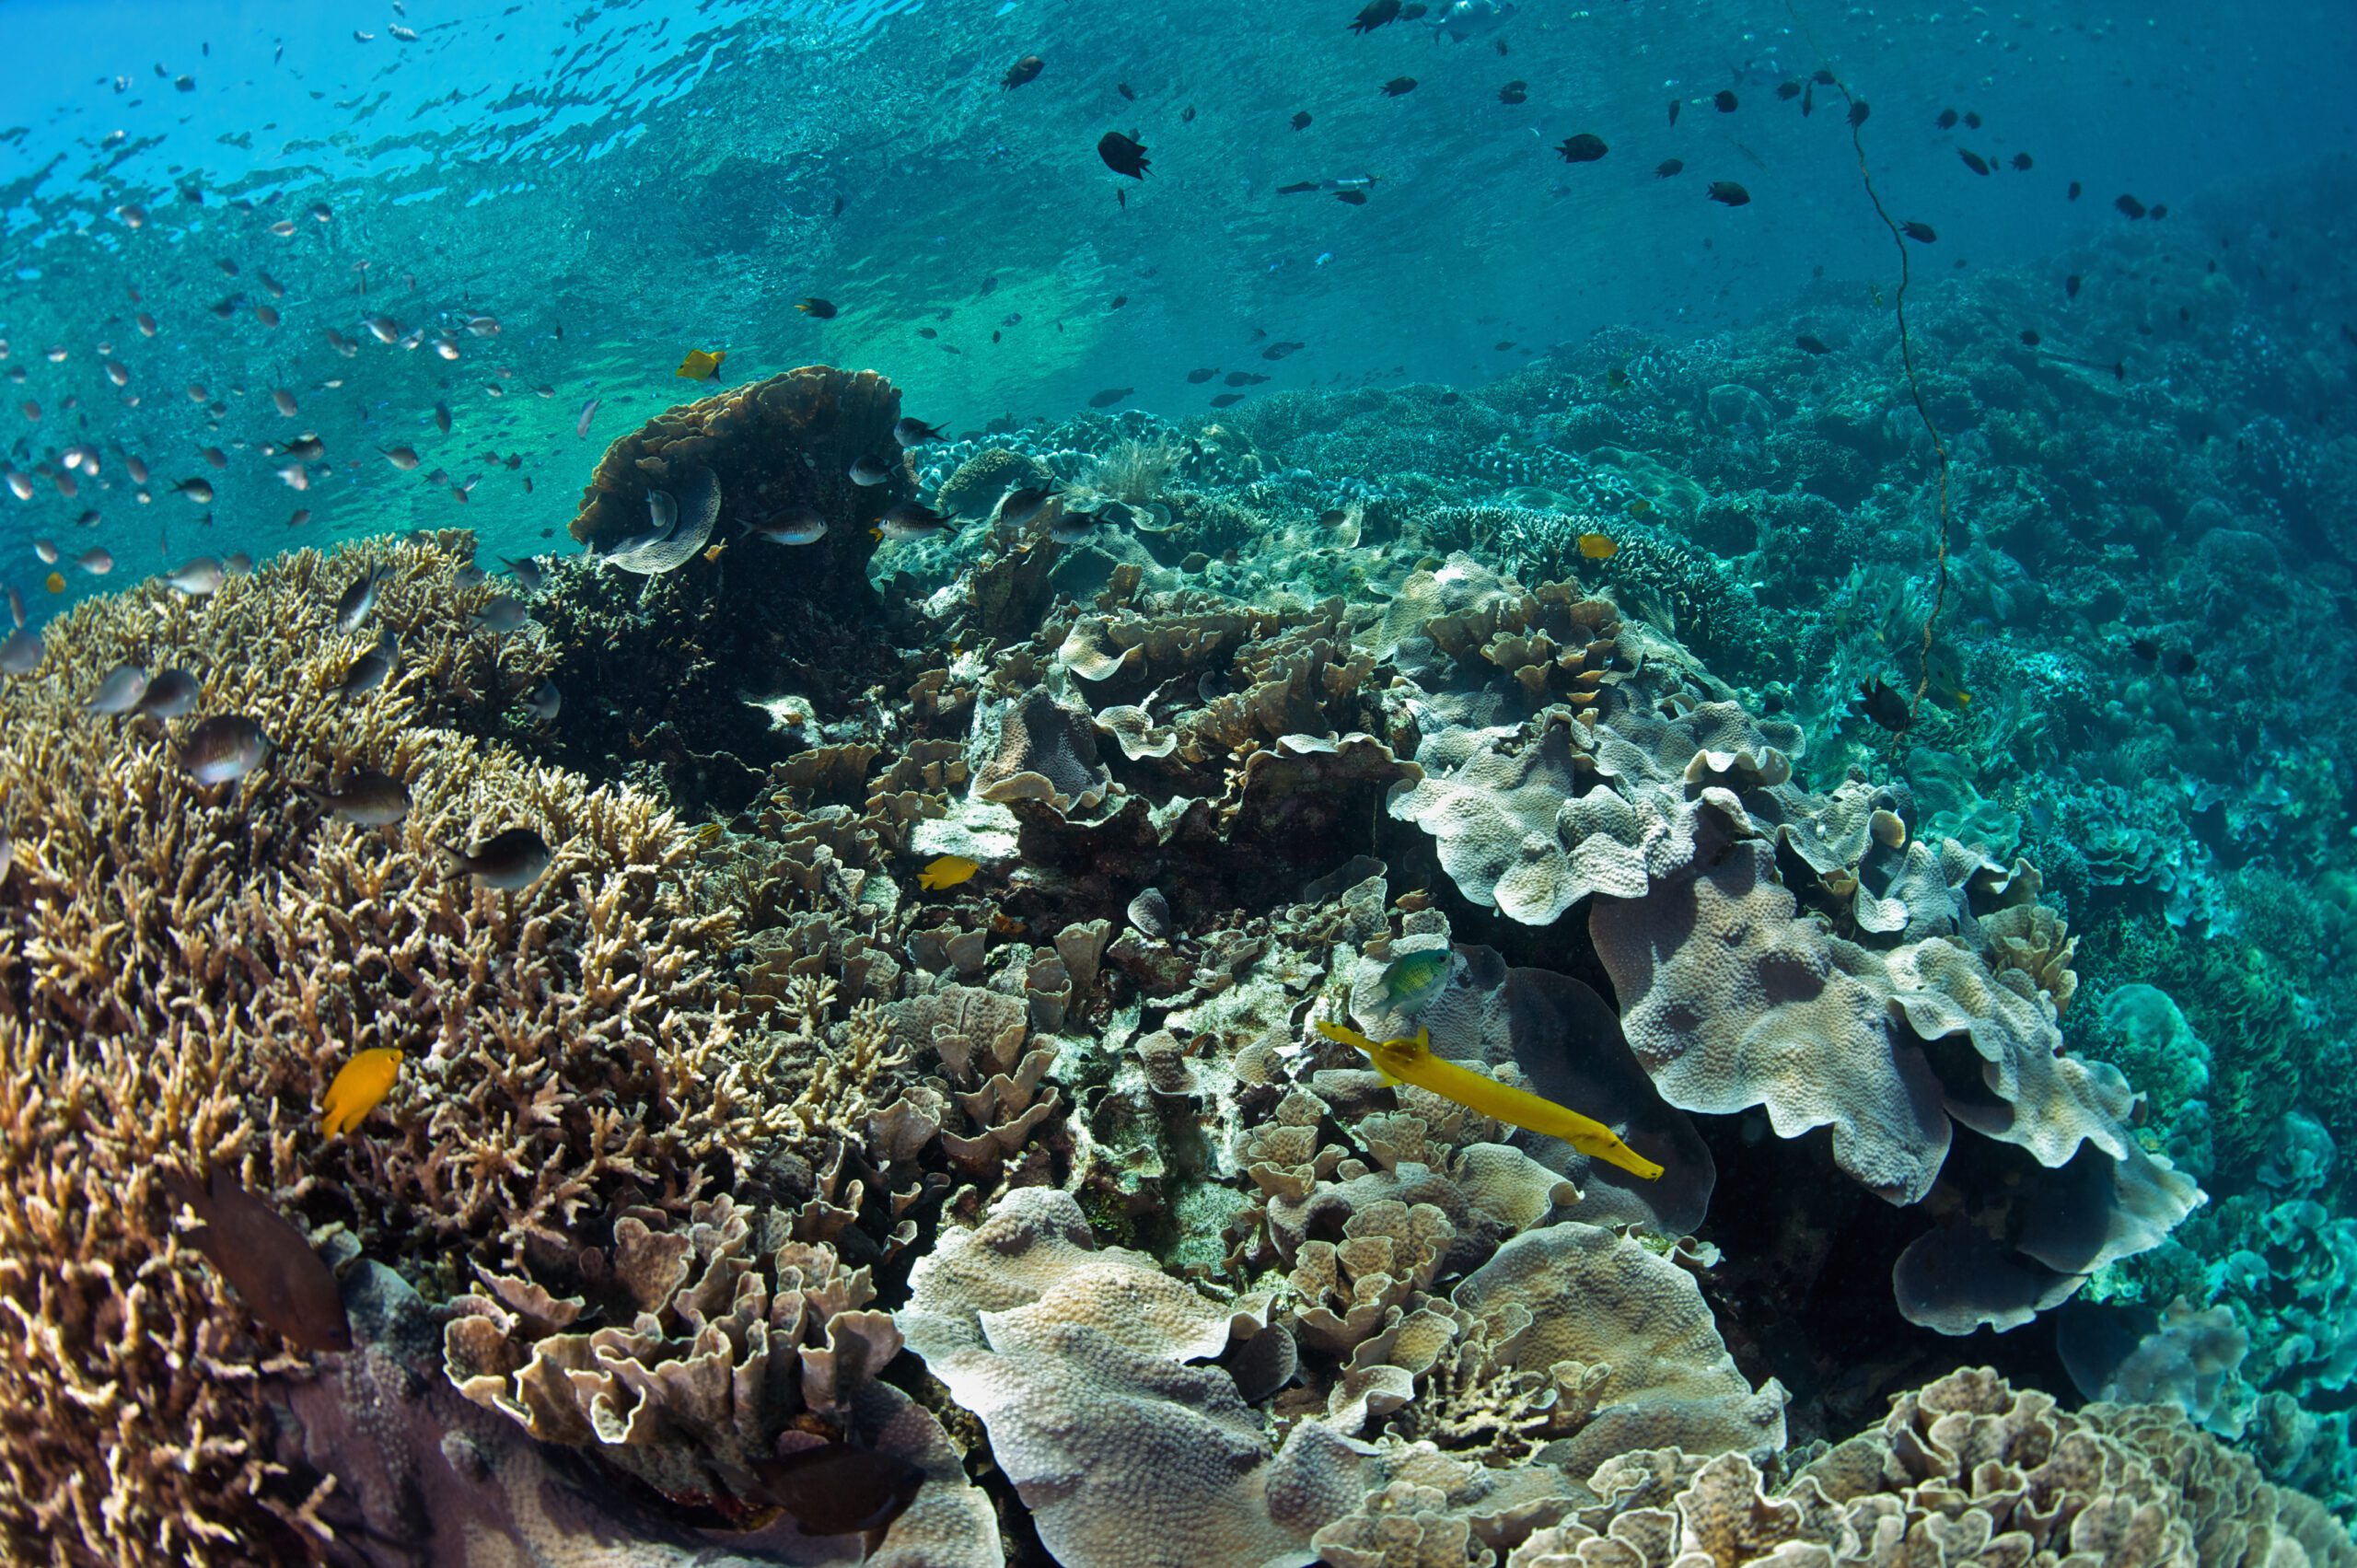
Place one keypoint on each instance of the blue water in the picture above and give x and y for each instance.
(649, 179)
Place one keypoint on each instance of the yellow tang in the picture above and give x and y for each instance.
(55, 583)
(1412, 1062)
(699, 365)
(360, 1085)
(947, 872)
(1598, 546)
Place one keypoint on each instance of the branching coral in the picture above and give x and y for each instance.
(187, 967)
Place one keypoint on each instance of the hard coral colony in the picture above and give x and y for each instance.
(1389, 976)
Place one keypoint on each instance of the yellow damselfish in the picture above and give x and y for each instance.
(360, 1085)
(947, 872)
(699, 365)
(1598, 546)
(1412, 1062)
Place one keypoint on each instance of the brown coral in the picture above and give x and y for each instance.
(182, 970)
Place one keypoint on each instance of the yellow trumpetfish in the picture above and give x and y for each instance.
(360, 1084)
(1412, 1062)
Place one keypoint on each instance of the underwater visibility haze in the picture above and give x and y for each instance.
(985, 784)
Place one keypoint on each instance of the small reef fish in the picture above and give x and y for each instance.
(1586, 147)
(54, 582)
(369, 670)
(588, 413)
(795, 525)
(368, 797)
(224, 749)
(1881, 703)
(1411, 981)
(1027, 69)
(544, 701)
(836, 1490)
(1076, 527)
(122, 691)
(947, 872)
(500, 615)
(525, 569)
(507, 861)
(1809, 343)
(198, 577)
(912, 519)
(47, 551)
(1598, 546)
(1516, 91)
(198, 491)
(1400, 86)
(269, 1263)
(916, 432)
(360, 1085)
(20, 652)
(1378, 13)
(1728, 193)
(1109, 396)
(872, 471)
(1123, 154)
(701, 365)
(1412, 1062)
(1920, 233)
(1725, 101)
(1020, 505)
(402, 457)
(353, 607)
(1301, 120)
(1668, 167)
(172, 693)
(818, 309)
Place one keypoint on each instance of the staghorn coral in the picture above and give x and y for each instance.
(185, 970)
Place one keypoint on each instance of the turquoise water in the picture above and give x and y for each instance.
(2040, 542)
(648, 179)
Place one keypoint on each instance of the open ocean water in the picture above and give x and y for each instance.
(1941, 416)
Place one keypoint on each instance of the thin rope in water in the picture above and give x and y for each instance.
(1906, 356)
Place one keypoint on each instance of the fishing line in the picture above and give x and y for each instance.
(1857, 118)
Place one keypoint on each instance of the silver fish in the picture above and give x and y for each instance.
(360, 599)
(795, 525)
(224, 749)
(469, 576)
(368, 797)
(912, 520)
(507, 861)
(500, 615)
(1076, 527)
(16, 605)
(47, 551)
(98, 560)
(527, 574)
(544, 701)
(197, 490)
(122, 689)
(872, 471)
(237, 563)
(915, 433)
(170, 695)
(402, 457)
(198, 577)
(20, 652)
